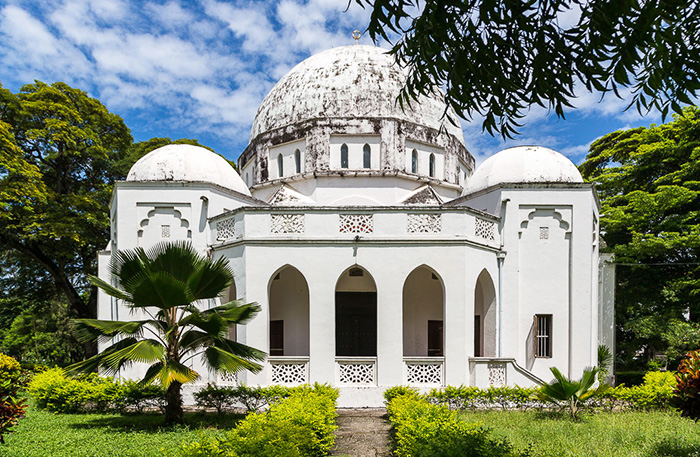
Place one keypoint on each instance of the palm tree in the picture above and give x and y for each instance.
(164, 283)
(571, 393)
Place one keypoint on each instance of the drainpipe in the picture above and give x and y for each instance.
(500, 256)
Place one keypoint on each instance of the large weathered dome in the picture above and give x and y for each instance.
(186, 163)
(347, 82)
(524, 164)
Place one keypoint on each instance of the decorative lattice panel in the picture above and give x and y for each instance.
(424, 223)
(289, 373)
(225, 229)
(497, 374)
(485, 229)
(165, 231)
(228, 378)
(287, 223)
(544, 233)
(356, 223)
(356, 373)
(424, 373)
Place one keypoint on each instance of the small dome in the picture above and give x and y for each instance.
(348, 82)
(187, 163)
(524, 164)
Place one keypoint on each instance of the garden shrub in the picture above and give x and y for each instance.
(137, 396)
(300, 425)
(686, 396)
(11, 407)
(424, 429)
(219, 397)
(655, 391)
(505, 397)
(54, 391)
(398, 391)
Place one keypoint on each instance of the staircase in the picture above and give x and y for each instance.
(362, 433)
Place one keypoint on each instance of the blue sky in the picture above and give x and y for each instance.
(199, 69)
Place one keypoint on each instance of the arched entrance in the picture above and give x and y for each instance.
(355, 314)
(423, 303)
(289, 313)
(485, 317)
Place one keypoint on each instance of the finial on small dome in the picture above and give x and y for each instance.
(356, 36)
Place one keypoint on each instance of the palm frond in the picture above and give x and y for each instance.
(93, 363)
(240, 349)
(221, 360)
(109, 289)
(147, 351)
(160, 289)
(175, 371)
(235, 312)
(88, 330)
(210, 279)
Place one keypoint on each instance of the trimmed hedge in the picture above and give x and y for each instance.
(504, 397)
(655, 392)
(54, 391)
(300, 425)
(224, 398)
(424, 429)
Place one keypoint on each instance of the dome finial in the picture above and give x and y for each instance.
(356, 36)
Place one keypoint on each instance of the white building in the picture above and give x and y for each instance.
(380, 257)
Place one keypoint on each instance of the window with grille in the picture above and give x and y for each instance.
(431, 163)
(367, 156)
(344, 156)
(414, 161)
(543, 335)
(280, 165)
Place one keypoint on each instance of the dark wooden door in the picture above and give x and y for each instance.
(356, 324)
(435, 339)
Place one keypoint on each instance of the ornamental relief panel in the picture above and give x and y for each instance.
(287, 223)
(424, 223)
(356, 223)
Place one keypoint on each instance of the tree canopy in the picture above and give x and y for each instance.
(498, 58)
(648, 180)
(60, 153)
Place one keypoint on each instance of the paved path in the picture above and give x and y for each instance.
(362, 433)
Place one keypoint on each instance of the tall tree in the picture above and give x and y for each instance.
(165, 283)
(648, 180)
(498, 58)
(68, 144)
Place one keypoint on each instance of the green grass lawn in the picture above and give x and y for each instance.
(624, 434)
(43, 434)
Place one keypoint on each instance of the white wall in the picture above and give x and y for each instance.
(289, 302)
(287, 151)
(424, 151)
(422, 302)
(355, 145)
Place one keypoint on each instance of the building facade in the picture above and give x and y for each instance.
(380, 256)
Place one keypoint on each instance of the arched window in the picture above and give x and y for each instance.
(414, 161)
(297, 160)
(344, 156)
(367, 156)
(280, 166)
(431, 170)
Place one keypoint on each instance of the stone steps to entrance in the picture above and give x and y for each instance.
(362, 433)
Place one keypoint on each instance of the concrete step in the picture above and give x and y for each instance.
(362, 433)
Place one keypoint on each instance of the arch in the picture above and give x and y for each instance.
(288, 294)
(280, 165)
(414, 161)
(297, 160)
(356, 314)
(431, 166)
(485, 319)
(423, 313)
(344, 156)
(366, 156)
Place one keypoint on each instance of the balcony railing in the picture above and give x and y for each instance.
(289, 370)
(424, 371)
(360, 371)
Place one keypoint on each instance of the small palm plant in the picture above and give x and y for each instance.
(164, 284)
(572, 393)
